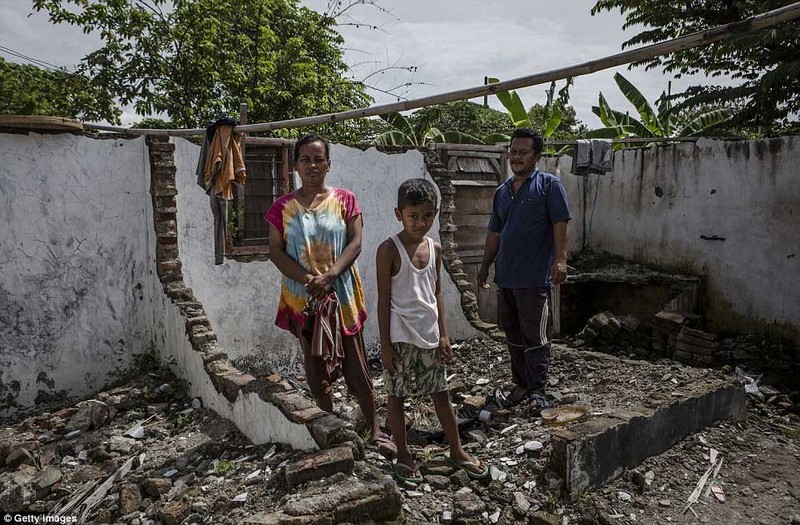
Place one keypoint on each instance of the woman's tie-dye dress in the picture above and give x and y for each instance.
(315, 238)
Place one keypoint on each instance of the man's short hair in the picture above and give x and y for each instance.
(528, 133)
(416, 191)
(308, 139)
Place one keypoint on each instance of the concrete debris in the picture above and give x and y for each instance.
(46, 478)
(198, 467)
(91, 414)
(16, 493)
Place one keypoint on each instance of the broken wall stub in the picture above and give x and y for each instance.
(77, 278)
(722, 210)
(240, 298)
(589, 454)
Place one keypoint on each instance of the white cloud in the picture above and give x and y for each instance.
(453, 44)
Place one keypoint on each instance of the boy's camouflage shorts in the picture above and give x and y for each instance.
(420, 372)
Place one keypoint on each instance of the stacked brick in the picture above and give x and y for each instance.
(666, 327)
(626, 331)
(666, 336)
(452, 263)
(696, 346)
(168, 264)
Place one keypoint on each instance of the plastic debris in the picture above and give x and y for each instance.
(750, 384)
(136, 431)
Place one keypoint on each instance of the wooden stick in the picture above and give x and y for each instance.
(701, 38)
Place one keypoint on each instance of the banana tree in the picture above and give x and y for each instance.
(404, 134)
(663, 122)
(553, 110)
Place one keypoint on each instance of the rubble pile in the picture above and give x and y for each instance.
(146, 453)
(626, 333)
(666, 335)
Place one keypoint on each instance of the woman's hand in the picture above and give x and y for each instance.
(318, 286)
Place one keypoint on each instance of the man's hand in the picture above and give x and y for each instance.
(318, 286)
(447, 350)
(558, 274)
(483, 275)
(388, 358)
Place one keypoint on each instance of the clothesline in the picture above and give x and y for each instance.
(701, 38)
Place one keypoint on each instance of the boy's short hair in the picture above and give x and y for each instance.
(528, 133)
(416, 191)
(308, 139)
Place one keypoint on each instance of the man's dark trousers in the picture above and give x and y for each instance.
(524, 314)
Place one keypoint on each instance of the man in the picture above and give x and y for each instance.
(528, 237)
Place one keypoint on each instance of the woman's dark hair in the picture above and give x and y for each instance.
(416, 191)
(308, 139)
(528, 133)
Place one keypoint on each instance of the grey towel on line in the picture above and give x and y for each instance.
(592, 156)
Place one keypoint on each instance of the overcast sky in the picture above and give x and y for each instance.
(452, 43)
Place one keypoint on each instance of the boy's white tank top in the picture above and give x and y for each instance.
(413, 315)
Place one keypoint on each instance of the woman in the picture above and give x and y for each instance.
(314, 240)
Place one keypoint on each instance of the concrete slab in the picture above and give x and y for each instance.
(347, 501)
(320, 465)
(587, 455)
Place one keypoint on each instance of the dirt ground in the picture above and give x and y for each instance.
(185, 464)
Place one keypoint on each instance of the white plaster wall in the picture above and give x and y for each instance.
(260, 421)
(573, 184)
(746, 192)
(76, 264)
(241, 299)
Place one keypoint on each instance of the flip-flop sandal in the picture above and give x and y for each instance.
(474, 470)
(406, 473)
(537, 403)
(385, 445)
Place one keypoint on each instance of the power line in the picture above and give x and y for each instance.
(35, 61)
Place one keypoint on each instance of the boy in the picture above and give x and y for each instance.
(413, 333)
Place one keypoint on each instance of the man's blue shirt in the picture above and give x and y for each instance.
(525, 224)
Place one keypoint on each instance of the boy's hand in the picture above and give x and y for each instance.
(447, 350)
(388, 358)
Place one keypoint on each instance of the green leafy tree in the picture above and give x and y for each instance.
(193, 59)
(403, 133)
(569, 128)
(154, 123)
(765, 62)
(666, 121)
(464, 116)
(29, 90)
(356, 131)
